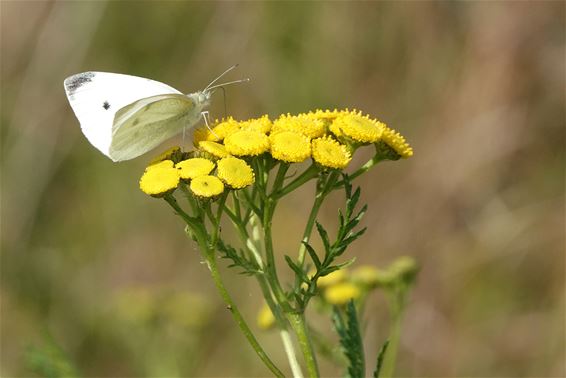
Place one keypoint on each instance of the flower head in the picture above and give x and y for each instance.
(327, 115)
(311, 127)
(341, 293)
(290, 146)
(332, 278)
(160, 179)
(218, 132)
(366, 275)
(206, 186)
(194, 167)
(265, 318)
(217, 150)
(357, 128)
(173, 153)
(329, 153)
(246, 143)
(393, 145)
(235, 173)
(262, 124)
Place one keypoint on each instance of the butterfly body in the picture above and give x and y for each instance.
(126, 116)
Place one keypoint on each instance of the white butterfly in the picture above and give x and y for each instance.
(126, 116)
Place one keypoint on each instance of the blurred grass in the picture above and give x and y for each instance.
(477, 88)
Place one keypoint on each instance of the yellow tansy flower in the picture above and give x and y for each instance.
(341, 293)
(246, 143)
(167, 155)
(235, 173)
(357, 127)
(262, 124)
(329, 153)
(332, 278)
(215, 149)
(366, 275)
(191, 168)
(313, 128)
(290, 146)
(206, 186)
(397, 142)
(217, 133)
(161, 164)
(265, 318)
(327, 115)
(160, 179)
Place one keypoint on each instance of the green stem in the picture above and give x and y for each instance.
(207, 250)
(310, 173)
(298, 323)
(363, 169)
(211, 261)
(397, 308)
(271, 269)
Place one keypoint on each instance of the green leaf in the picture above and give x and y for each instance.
(238, 258)
(313, 255)
(380, 357)
(350, 340)
(323, 236)
(297, 269)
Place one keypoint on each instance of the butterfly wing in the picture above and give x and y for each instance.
(96, 97)
(146, 123)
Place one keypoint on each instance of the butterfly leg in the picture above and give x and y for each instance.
(205, 116)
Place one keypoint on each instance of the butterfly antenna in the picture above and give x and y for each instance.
(218, 78)
(228, 83)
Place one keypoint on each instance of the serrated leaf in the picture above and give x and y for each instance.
(380, 357)
(350, 339)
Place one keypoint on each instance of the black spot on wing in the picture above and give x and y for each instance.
(106, 105)
(76, 81)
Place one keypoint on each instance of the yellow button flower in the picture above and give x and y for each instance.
(167, 155)
(207, 186)
(332, 279)
(397, 142)
(329, 153)
(265, 318)
(191, 168)
(290, 146)
(311, 127)
(262, 124)
(366, 275)
(341, 293)
(217, 133)
(357, 127)
(327, 115)
(246, 143)
(160, 179)
(161, 164)
(215, 149)
(235, 173)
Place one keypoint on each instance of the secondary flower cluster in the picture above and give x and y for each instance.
(206, 176)
(224, 150)
(343, 285)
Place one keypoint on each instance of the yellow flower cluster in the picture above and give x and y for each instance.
(163, 177)
(329, 138)
(341, 286)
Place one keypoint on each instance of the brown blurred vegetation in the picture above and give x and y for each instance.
(476, 87)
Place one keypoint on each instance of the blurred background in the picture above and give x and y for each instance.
(476, 87)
